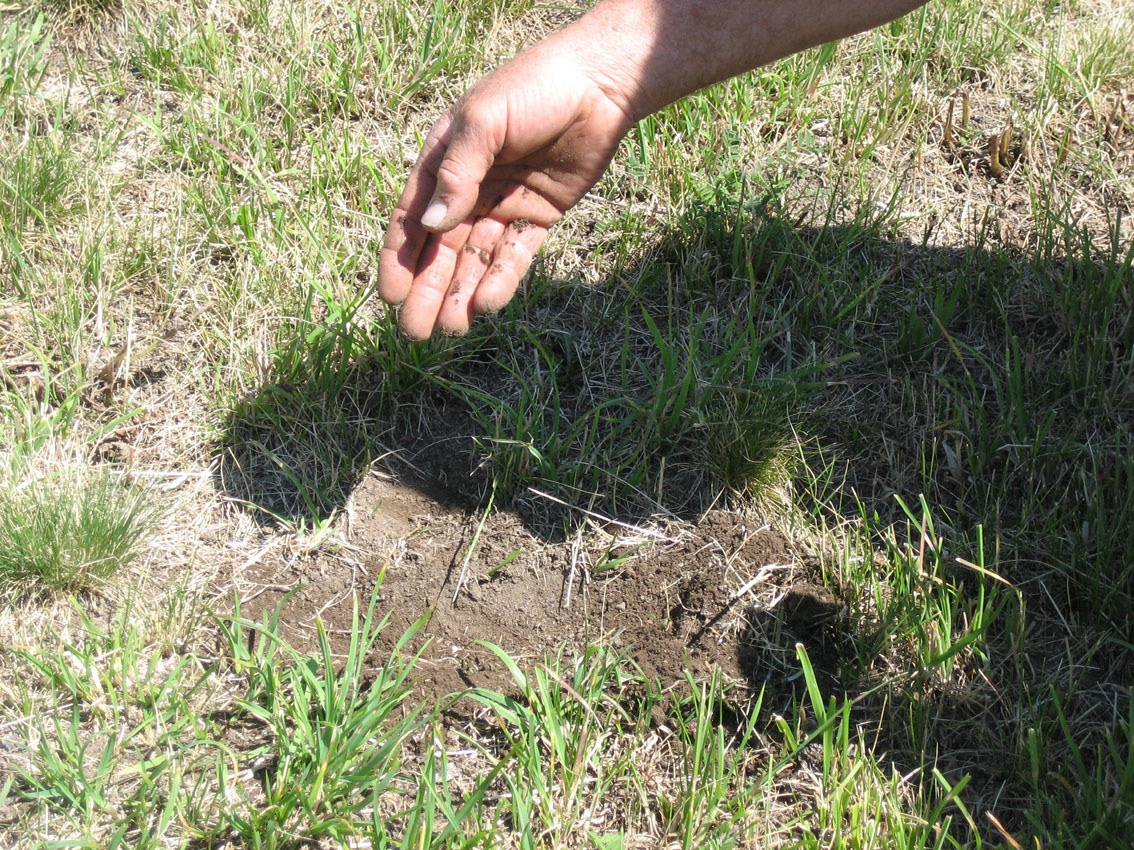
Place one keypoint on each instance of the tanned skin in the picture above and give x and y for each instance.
(525, 143)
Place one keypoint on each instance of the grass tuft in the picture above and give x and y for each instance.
(66, 530)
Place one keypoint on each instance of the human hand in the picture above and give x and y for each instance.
(528, 141)
(496, 172)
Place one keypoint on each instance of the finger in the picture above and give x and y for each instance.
(426, 296)
(401, 250)
(472, 262)
(510, 262)
(405, 235)
(471, 143)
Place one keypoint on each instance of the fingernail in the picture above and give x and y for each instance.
(434, 214)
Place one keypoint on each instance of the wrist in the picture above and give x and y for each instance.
(613, 46)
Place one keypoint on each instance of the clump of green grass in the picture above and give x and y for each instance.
(336, 731)
(68, 530)
(23, 62)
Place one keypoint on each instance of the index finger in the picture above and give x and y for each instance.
(401, 252)
(405, 235)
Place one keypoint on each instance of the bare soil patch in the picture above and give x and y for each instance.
(721, 594)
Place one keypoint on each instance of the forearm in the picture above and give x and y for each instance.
(649, 53)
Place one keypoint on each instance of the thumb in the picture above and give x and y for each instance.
(464, 164)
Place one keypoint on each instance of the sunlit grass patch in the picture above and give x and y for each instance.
(23, 62)
(67, 529)
(809, 283)
(335, 731)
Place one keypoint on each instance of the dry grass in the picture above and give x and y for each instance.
(193, 203)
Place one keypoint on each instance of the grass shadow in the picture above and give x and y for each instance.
(957, 414)
(294, 451)
(742, 352)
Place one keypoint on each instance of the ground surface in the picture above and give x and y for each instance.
(699, 598)
(837, 354)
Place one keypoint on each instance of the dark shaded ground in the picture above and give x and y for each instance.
(722, 591)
